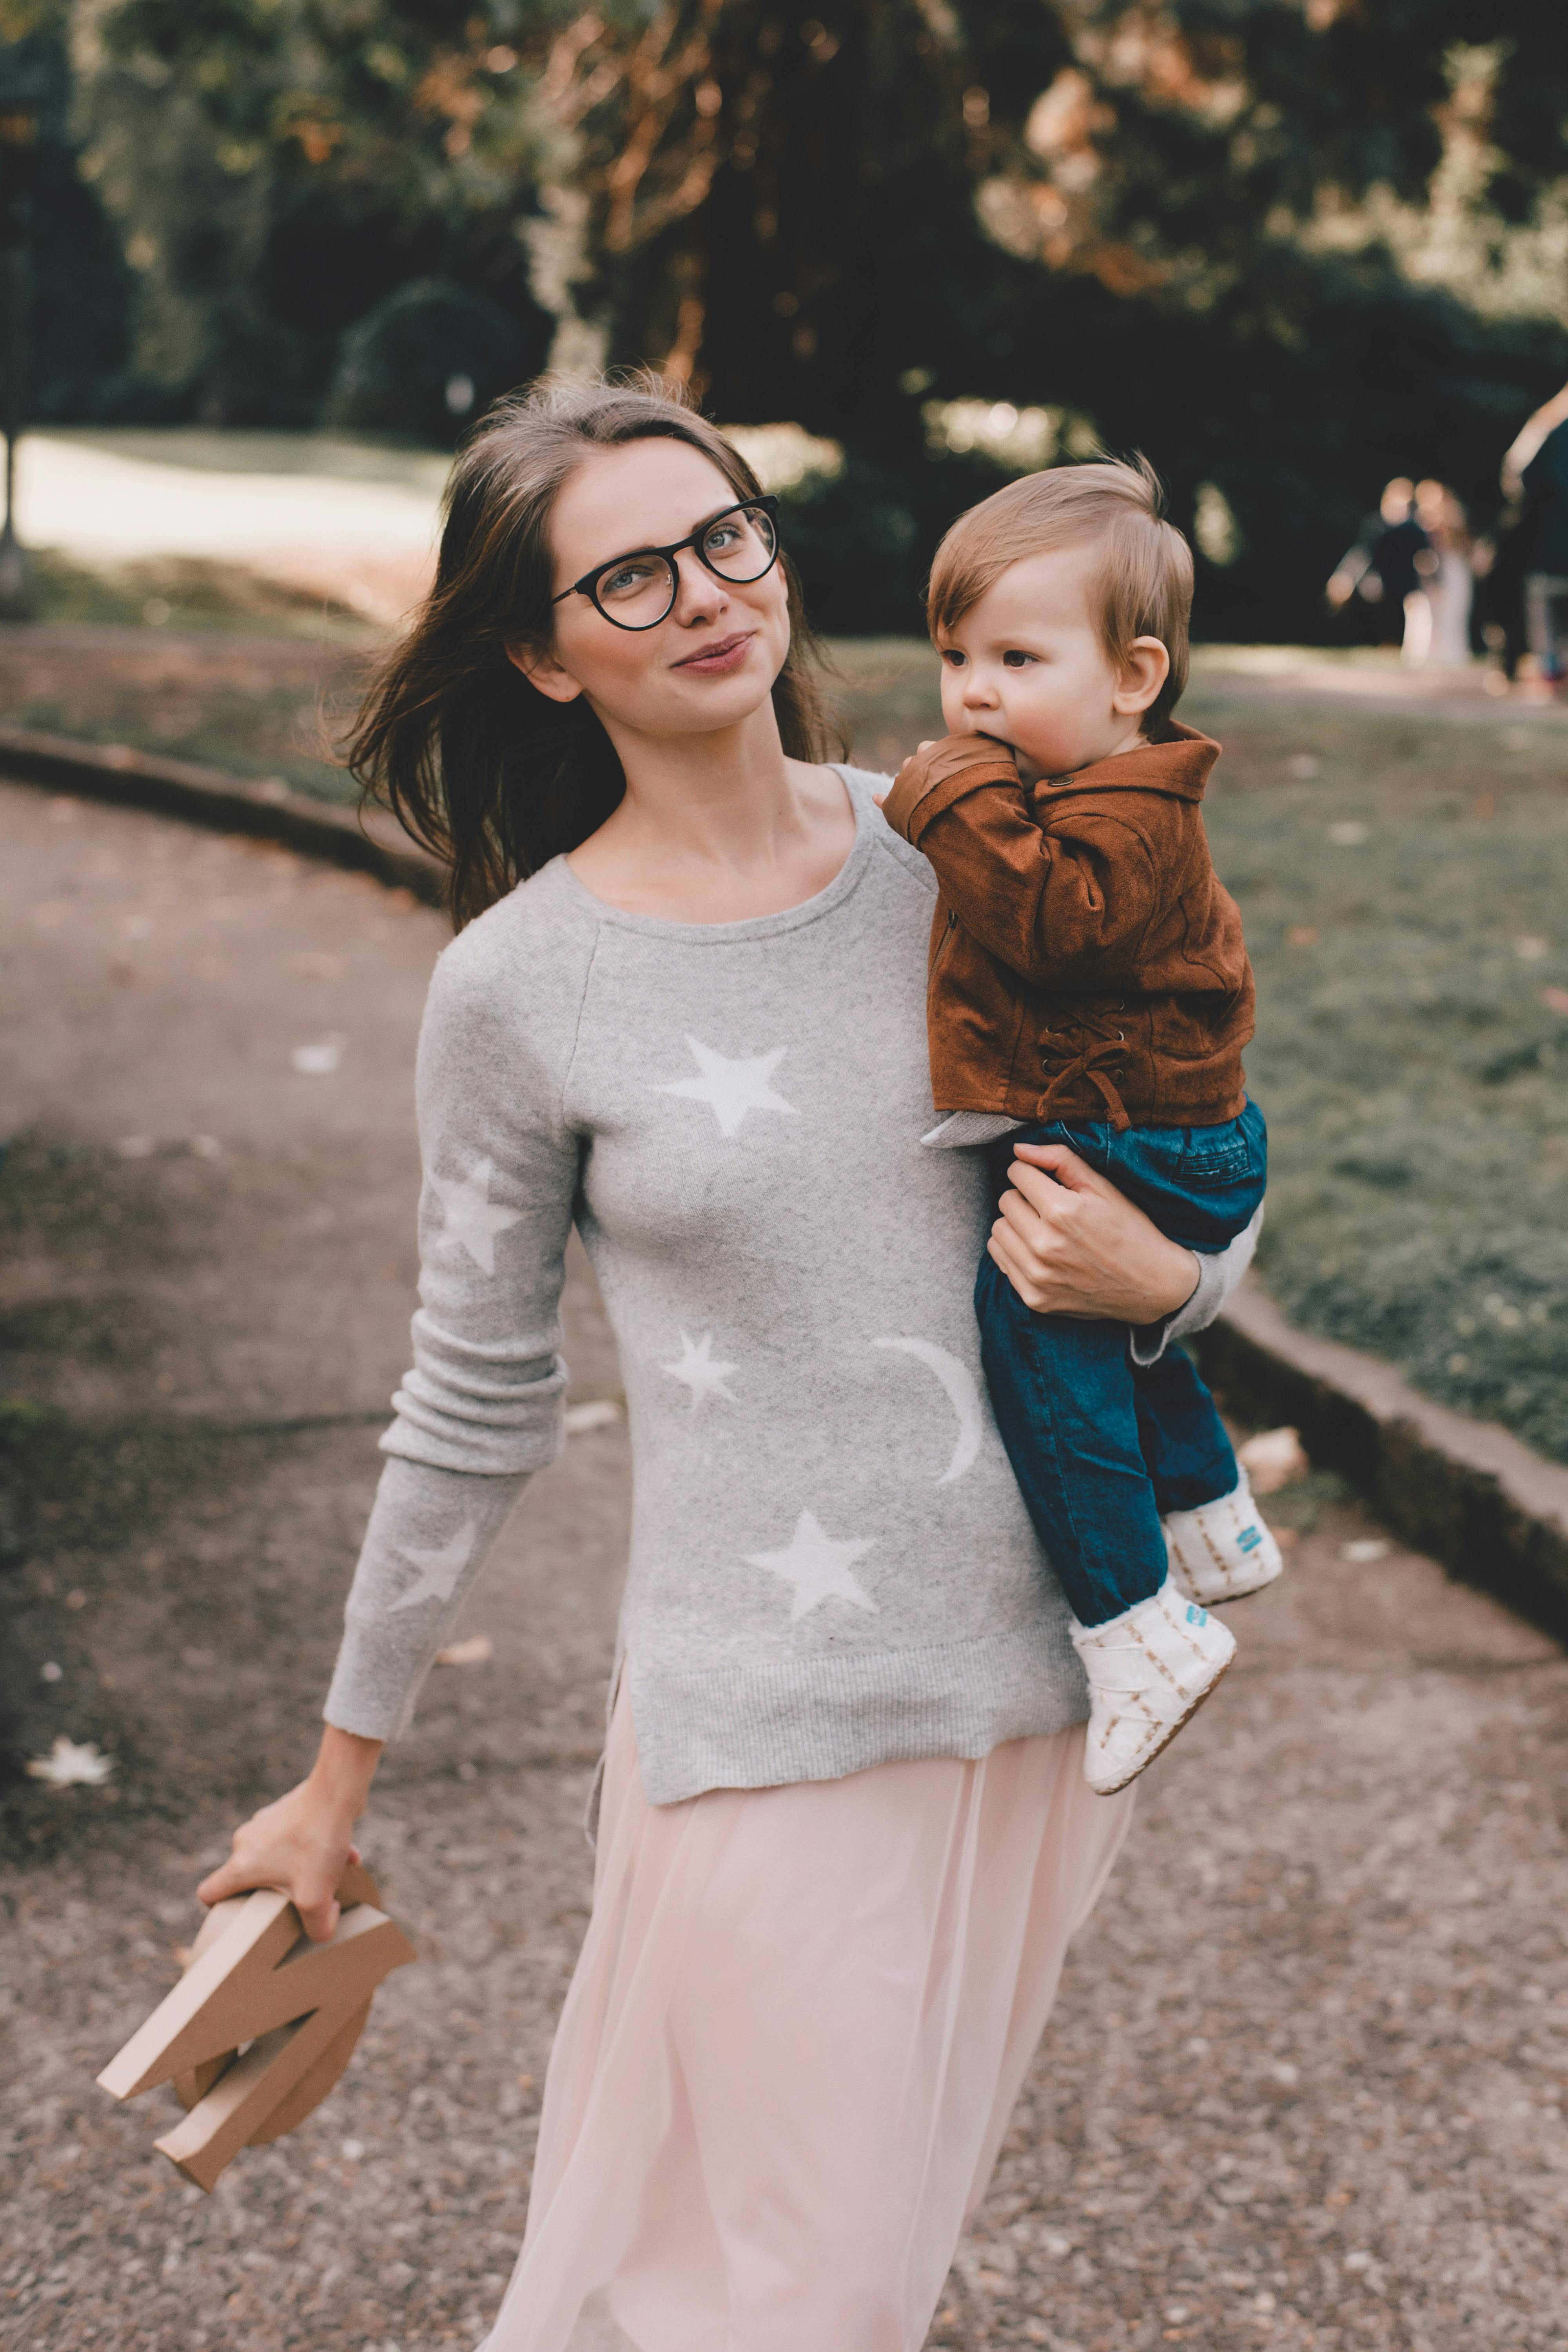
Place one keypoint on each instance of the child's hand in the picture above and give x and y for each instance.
(880, 797)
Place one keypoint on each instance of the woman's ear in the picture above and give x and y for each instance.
(1146, 667)
(542, 669)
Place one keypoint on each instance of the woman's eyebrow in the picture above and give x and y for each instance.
(652, 547)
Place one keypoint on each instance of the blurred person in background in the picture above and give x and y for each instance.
(1387, 566)
(1536, 470)
(1449, 586)
(1498, 564)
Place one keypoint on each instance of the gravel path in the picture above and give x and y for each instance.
(1305, 2082)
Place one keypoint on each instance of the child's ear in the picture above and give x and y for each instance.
(1145, 667)
(542, 669)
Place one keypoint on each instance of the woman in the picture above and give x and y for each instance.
(844, 1836)
(1450, 585)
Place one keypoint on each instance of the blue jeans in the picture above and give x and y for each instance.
(1101, 1447)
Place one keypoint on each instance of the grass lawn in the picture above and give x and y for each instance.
(1405, 886)
(1403, 876)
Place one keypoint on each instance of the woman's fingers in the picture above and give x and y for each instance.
(282, 1847)
(1002, 1250)
(1058, 1165)
(319, 1910)
(1070, 1244)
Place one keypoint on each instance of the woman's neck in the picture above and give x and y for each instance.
(716, 828)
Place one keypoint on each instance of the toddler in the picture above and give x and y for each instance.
(1089, 987)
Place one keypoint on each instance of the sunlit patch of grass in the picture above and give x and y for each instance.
(187, 592)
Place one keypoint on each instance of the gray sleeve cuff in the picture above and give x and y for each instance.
(1217, 1277)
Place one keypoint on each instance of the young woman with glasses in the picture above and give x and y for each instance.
(844, 1836)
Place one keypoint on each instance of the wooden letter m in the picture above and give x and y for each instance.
(255, 1979)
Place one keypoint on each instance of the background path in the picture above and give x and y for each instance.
(1305, 2082)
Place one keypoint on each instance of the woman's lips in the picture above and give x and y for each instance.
(728, 654)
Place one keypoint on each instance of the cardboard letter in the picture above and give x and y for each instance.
(256, 1980)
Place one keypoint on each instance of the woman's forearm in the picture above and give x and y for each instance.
(344, 1768)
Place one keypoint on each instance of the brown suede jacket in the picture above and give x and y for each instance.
(1086, 962)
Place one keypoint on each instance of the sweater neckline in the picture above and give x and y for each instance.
(751, 926)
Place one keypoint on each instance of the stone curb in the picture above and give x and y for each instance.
(1466, 1492)
(269, 810)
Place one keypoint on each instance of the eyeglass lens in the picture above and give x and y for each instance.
(640, 589)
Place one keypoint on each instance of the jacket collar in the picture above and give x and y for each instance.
(1178, 764)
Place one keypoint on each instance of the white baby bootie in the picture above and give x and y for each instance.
(1221, 1551)
(1148, 1671)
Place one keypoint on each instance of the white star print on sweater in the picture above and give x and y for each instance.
(439, 1569)
(472, 1223)
(830, 1561)
(731, 1089)
(817, 1568)
(699, 1372)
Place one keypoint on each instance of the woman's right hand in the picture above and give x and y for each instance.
(302, 1843)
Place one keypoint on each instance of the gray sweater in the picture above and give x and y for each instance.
(830, 1565)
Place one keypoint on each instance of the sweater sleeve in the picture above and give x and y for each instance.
(1219, 1272)
(482, 1406)
(1060, 891)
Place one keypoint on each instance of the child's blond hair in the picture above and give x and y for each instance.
(1144, 587)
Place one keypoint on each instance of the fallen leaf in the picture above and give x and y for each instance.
(597, 1414)
(473, 1652)
(1348, 834)
(317, 1061)
(1555, 999)
(1366, 1547)
(1302, 936)
(1272, 1459)
(1529, 950)
(69, 1765)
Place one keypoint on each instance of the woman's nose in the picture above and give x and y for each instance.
(699, 594)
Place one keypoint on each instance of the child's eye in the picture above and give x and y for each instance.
(1016, 660)
(952, 657)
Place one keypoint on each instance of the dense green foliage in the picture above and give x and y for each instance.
(1287, 246)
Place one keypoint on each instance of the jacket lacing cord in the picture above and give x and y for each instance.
(1088, 1065)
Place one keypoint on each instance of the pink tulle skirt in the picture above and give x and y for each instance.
(797, 2027)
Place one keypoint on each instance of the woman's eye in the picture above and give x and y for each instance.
(724, 535)
(624, 578)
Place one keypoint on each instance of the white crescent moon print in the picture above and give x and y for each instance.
(962, 1395)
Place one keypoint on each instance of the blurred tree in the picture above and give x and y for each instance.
(81, 285)
(1288, 247)
(278, 167)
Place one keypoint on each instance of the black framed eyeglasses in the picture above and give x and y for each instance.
(639, 591)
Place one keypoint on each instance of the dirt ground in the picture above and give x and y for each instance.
(1305, 2081)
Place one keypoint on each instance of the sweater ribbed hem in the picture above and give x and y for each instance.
(819, 1718)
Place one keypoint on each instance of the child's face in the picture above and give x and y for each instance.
(1025, 665)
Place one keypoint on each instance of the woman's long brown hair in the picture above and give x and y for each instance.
(476, 764)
